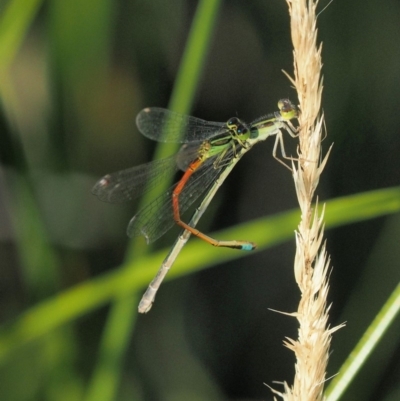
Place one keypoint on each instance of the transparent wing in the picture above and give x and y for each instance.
(157, 218)
(131, 183)
(167, 126)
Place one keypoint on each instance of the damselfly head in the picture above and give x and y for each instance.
(287, 109)
(238, 128)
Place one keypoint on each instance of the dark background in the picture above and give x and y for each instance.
(78, 82)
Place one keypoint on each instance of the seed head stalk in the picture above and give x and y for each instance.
(311, 265)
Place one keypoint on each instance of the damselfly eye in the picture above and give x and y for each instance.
(233, 122)
(241, 129)
(287, 109)
(284, 104)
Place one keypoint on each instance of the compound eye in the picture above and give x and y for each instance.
(241, 129)
(284, 105)
(287, 109)
(232, 122)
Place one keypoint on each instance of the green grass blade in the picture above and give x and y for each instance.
(124, 308)
(83, 298)
(14, 23)
(365, 346)
(194, 56)
(116, 336)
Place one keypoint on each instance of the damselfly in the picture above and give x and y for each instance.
(209, 153)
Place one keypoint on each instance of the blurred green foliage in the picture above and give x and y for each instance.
(73, 75)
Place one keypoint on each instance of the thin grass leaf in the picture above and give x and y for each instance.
(14, 24)
(365, 346)
(83, 298)
(125, 307)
